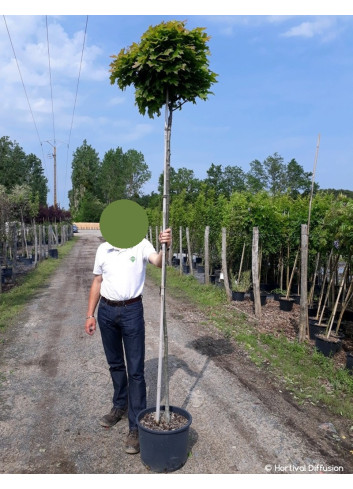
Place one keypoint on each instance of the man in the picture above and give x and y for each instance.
(119, 276)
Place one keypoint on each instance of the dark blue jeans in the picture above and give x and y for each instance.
(123, 329)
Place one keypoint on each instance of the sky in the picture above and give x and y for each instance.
(285, 85)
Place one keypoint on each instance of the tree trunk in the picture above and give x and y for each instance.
(163, 338)
(207, 256)
(181, 250)
(189, 250)
(224, 264)
(255, 272)
(303, 323)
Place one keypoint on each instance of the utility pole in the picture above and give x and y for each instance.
(54, 158)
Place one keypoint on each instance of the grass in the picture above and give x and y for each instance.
(13, 302)
(309, 375)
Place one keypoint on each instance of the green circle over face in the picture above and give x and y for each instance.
(123, 223)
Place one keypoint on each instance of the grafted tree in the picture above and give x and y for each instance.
(168, 67)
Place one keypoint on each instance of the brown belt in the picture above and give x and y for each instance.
(121, 303)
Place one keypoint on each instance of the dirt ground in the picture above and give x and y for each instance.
(55, 385)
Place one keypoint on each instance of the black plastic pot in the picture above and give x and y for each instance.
(327, 346)
(296, 298)
(200, 269)
(286, 304)
(212, 279)
(186, 268)
(53, 253)
(6, 272)
(238, 296)
(263, 299)
(277, 296)
(316, 328)
(164, 451)
(349, 361)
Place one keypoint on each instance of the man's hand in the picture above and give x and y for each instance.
(90, 326)
(166, 237)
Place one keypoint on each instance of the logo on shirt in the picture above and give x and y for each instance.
(132, 258)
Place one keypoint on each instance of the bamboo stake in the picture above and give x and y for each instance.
(323, 285)
(292, 274)
(312, 181)
(329, 289)
(345, 303)
(332, 317)
(312, 288)
(241, 261)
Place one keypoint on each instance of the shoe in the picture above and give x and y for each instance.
(113, 417)
(132, 444)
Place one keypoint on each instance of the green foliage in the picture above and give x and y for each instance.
(85, 171)
(181, 179)
(96, 184)
(169, 59)
(17, 169)
(243, 283)
(90, 208)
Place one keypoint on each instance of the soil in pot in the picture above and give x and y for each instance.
(286, 304)
(327, 346)
(164, 446)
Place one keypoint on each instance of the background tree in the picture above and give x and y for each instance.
(168, 68)
(111, 180)
(297, 180)
(17, 168)
(276, 174)
(85, 171)
(136, 173)
(257, 178)
(181, 180)
(36, 179)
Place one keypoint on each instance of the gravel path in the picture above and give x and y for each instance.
(55, 385)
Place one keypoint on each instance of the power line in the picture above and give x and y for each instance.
(51, 86)
(24, 88)
(77, 85)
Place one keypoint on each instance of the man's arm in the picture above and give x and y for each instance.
(164, 237)
(94, 294)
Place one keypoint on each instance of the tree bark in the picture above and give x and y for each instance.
(224, 264)
(255, 272)
(163, 339)
(303, 323)
(189, 250)
(207, 257)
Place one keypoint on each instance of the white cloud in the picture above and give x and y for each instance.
(116, 101)
(326, 28)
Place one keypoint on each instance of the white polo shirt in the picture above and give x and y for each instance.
(123, 270)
